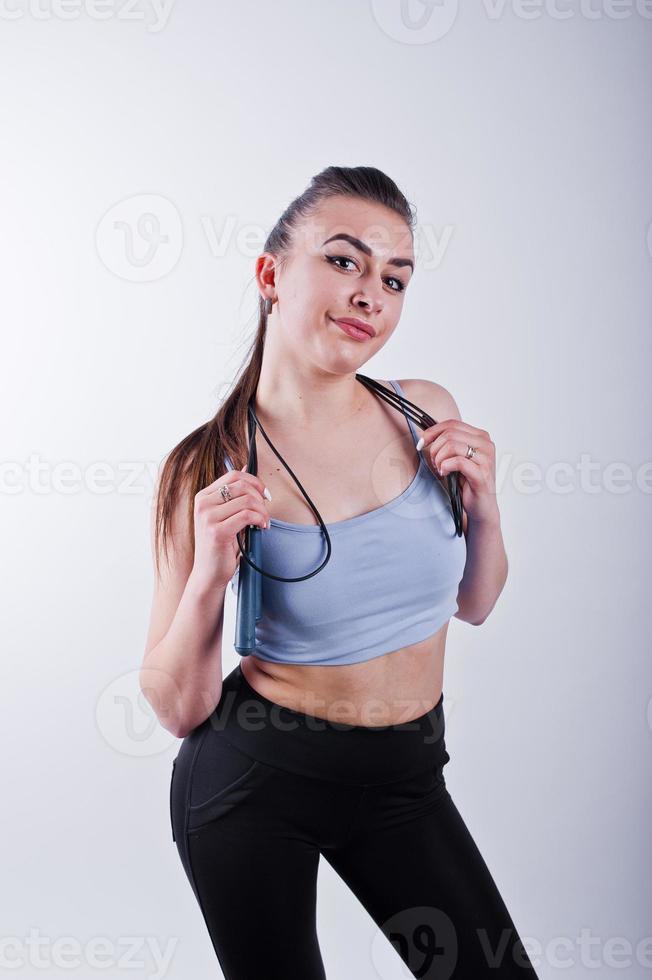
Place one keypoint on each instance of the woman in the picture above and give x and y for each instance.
(328, 739)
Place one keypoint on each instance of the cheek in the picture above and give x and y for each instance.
(307, 324)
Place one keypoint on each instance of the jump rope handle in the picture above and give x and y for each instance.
(250, 582)
(250, 594)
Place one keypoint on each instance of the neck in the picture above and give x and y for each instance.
(309, 399)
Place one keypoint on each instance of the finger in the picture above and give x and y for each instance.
(229, 513)
(449, 426)
(234, 476)
(226, 508)
(256, 481)
(468, 467)
(458, 441)
(451, 449)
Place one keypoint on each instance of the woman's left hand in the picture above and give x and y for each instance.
(445, 445)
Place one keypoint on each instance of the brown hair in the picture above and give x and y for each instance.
(198, 460)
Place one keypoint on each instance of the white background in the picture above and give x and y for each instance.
(522, 136)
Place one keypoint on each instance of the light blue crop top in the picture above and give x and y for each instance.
(392, 578)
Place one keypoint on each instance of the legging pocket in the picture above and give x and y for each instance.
(223, 777)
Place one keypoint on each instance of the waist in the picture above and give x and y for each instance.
(319, 747)
(395, 686)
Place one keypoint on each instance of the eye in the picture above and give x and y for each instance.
(338, 258)
(333, 259)
(401, 284)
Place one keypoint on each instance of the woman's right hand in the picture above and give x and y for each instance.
(218, 521)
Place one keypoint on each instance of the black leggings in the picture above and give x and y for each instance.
(259, 792)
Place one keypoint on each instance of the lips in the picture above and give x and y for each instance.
(354, 321)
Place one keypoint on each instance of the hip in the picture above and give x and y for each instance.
(252, 756)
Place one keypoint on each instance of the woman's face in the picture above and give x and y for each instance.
(327, 277)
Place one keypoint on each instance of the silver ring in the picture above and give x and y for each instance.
(226, 493)
(470, 451)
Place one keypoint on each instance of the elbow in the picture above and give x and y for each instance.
(190, 722)
(481, 618)
(469, 616)
(470, 620)
(469, 612)
(195, 710)
(181, 733)
(180, 704)
(163, 698)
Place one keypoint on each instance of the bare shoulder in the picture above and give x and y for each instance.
(438, 402)
(431, 396)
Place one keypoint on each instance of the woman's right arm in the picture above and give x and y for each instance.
(181, 672)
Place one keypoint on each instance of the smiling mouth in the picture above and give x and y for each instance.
(350, 327)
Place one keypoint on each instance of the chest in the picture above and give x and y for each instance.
(352, 471)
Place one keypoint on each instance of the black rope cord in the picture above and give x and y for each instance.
(416, 414)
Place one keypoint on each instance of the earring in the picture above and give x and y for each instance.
(268, 306)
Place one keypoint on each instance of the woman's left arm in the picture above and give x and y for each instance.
(445, 446)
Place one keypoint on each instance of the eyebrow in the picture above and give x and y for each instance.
(367, 251)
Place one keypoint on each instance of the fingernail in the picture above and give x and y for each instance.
(267, 494)
(420, 444)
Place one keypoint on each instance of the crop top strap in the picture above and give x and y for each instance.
(400, 391)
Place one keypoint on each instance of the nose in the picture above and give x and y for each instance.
(368, 302)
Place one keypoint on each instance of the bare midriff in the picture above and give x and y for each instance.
(386, 690)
